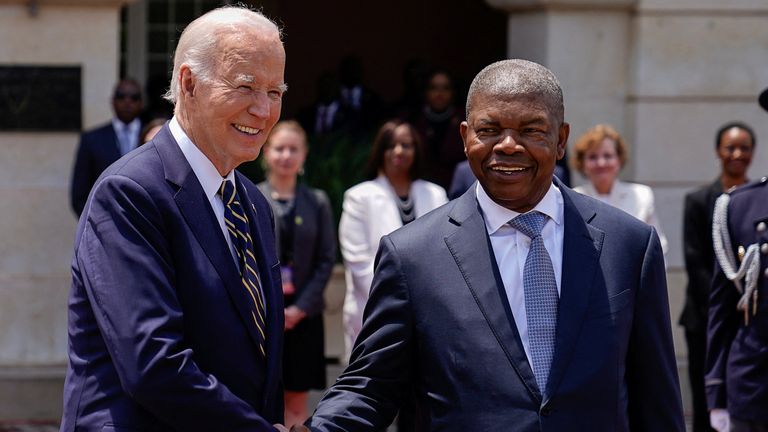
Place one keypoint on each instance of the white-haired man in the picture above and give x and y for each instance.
(175, 313)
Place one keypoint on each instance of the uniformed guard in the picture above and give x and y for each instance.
(737, 335)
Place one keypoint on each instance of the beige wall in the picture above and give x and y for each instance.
(37, 225)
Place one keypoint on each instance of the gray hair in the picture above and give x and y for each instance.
(200, 40)
(518, 77)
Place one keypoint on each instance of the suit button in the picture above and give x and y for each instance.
(761, 227)
(764, 248)
(766, 272)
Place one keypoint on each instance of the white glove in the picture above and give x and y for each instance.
(720, 420)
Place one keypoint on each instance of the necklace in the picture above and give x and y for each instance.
(405, 206)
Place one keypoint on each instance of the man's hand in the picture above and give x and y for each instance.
(280, 428)
(720, 420)
(299, 428)
(293, 315)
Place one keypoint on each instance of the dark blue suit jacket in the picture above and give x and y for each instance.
(160, 333)
(438, 321)
(737, 354)
(97, 150)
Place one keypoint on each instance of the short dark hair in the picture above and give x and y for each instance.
(735, 124)
(384, 138)
(517, 77)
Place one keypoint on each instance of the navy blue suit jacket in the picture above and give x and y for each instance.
(160, 333)
(97, 150)
(438, 322)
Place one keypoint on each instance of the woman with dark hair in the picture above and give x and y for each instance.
(393, 196)
(437, 123)
(306, 247)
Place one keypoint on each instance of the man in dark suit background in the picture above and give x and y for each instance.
(101, 146)
(736, 381)
(176, 312)
(734, 146)
(497, 327)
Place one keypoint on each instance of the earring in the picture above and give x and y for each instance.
(301, 171)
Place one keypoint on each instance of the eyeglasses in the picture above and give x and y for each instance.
(135, 97)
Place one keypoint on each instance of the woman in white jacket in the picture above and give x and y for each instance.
(599, 155)
(393, 197)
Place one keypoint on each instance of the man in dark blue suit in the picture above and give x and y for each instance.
(736, 381)
(176, 313)
(492, 325)
(102, 146)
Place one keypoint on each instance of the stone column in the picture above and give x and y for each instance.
(587, 44)
(37, 225)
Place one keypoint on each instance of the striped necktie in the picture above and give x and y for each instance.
(237, 225)
(541, 297)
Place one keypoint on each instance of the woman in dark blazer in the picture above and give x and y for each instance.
(306, 247)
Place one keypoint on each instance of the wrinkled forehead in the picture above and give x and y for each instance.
(250, 47)
(500, 103)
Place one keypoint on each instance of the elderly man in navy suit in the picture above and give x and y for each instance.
(100, 147)
(176, 312)
(736, 381)
(521, 305)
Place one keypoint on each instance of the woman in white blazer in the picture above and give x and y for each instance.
(600, 154)
(392, 197)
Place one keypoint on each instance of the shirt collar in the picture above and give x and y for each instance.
(496, 216)
(206, 172)
(133, 126)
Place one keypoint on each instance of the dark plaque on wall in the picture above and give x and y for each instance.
(40, 98)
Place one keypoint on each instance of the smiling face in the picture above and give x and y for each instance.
(602, 164)
(735, 152)
(512, 143)
(230, 116)
(285, 153)
(400, 153)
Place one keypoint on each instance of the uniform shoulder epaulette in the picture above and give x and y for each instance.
(749, 186)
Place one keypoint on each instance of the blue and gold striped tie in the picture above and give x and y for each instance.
(237, 225)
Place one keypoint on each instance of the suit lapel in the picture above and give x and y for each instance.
(474, 259)
(582, 244)
(199, 215)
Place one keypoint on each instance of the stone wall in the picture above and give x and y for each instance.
(37, 225)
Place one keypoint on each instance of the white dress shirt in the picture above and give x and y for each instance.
(127, 134)
(207, 175)
(510, 248)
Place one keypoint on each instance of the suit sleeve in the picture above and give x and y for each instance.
(127, 269)
(366, 396)
(652, 381)
(721, 329)
(311, 299)
(81, 176)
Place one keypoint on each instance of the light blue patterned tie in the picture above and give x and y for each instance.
(541, 298)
